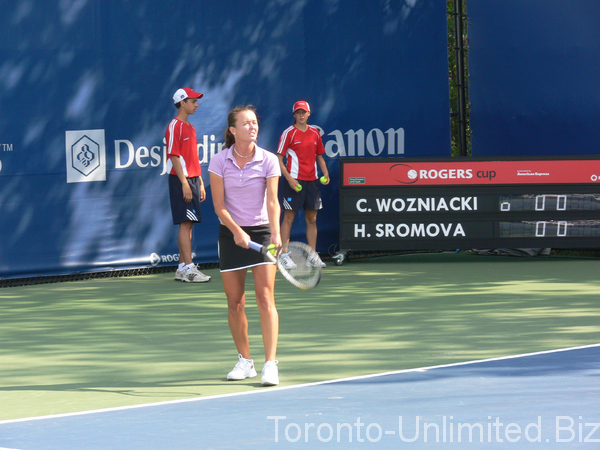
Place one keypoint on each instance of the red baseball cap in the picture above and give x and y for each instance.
(301, 105)
(184, 93)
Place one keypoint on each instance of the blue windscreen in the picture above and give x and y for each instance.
(86, 95)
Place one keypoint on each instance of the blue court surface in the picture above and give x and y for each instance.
(539, 400)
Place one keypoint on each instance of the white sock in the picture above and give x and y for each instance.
(181, 266)
(189, 266)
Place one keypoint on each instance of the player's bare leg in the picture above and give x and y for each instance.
(234, 285)
(264, 287)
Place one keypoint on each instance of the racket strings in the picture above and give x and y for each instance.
(305, 272)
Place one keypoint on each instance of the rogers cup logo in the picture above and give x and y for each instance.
(86, 156)
(405, 174)
(154, 259)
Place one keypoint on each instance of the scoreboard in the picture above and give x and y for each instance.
(450, 203)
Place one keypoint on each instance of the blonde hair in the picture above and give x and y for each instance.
(232, 120)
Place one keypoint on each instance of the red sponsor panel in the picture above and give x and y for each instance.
(515, 172)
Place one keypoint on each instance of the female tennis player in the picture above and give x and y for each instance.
(244, 180)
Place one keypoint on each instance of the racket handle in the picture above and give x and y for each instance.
(255, 246)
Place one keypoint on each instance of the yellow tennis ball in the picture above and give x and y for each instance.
(271, 248)
(323, 180)
(298, 188)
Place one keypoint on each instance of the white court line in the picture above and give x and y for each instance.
(295, 386)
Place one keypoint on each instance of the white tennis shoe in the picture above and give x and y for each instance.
(287, 262)
(270, 374)
(179, 274)
(242, 370)
(315, 261)
(193, 275)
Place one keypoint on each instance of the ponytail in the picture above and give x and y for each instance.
(229, 138)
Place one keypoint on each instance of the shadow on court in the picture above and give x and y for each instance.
(115, 342)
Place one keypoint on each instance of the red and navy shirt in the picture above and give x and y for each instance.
(181, 141)
(301, 149)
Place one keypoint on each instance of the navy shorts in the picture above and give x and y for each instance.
(309, 198)
(234, 257)
(181, 210)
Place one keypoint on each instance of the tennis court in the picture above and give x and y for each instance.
(446, 339)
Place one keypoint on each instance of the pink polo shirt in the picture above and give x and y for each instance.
(246, 188)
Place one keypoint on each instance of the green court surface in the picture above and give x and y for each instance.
(110, 342)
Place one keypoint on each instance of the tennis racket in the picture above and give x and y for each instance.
(305, 270)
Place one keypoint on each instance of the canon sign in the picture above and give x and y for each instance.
(358, 143)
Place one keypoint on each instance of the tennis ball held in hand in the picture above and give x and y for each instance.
(271, 249)
(298, 187)
(323, 180)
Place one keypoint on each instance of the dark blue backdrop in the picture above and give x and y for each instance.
(534, 68)
(102, 73)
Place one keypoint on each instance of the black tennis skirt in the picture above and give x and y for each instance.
(234, 257)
